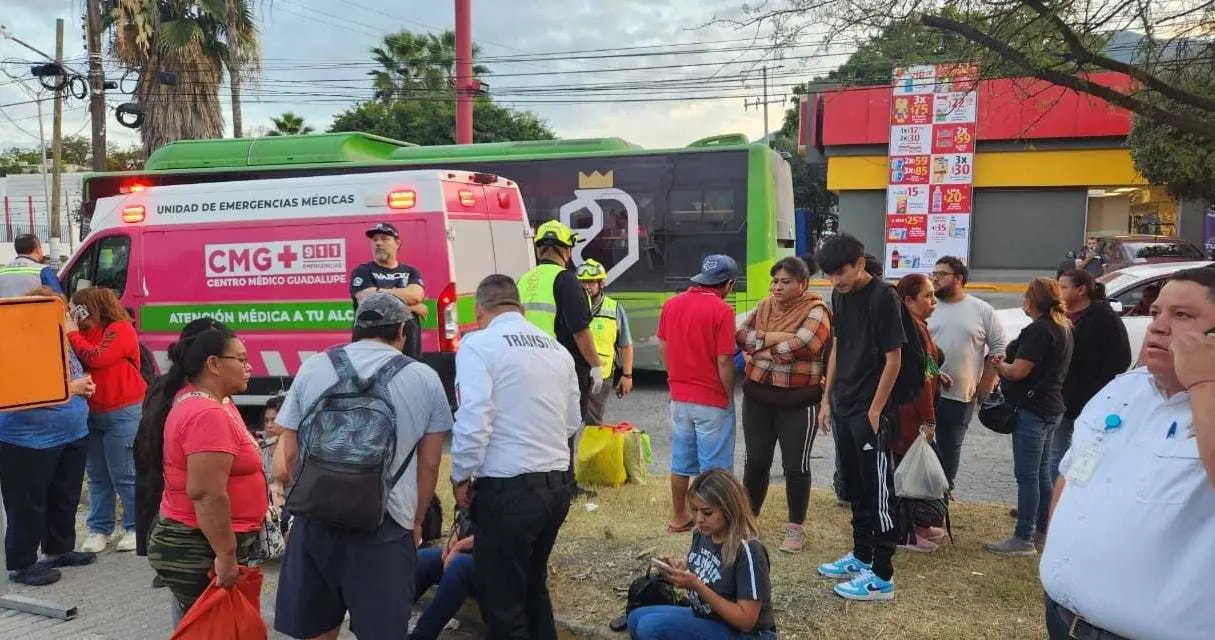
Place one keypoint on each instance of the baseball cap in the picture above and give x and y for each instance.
(381, 310)
(715, 270)
(386, 228)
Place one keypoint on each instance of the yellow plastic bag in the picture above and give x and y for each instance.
(601, 457)
(636, 454)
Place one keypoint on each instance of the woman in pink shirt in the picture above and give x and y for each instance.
(215, 496)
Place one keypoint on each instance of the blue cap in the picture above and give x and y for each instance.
(716, 269)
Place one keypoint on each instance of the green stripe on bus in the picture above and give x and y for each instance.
(311, 315)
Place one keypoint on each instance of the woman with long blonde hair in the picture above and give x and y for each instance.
(1032, 373)
(726, 572)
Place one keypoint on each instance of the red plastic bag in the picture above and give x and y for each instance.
(226, 614)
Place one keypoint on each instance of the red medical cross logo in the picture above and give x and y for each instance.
(286, 257)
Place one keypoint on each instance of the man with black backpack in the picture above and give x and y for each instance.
(859, 398)
(363, 431)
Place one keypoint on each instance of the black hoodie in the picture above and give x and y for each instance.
(1102, 351)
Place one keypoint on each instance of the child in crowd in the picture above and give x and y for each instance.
(270, 432)
(726, 573)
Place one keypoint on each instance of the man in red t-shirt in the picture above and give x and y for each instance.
(696, 342)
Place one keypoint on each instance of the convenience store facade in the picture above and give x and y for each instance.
(1050, 167)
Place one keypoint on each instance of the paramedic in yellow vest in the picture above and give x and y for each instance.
(613, 342)
(554, 301)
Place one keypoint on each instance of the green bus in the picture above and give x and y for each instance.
(649, 215)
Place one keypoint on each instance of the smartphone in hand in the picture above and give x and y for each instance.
(662, 565)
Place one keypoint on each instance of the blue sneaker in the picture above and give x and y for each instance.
(846, 567)
(866, 586)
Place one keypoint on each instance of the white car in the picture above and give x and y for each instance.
(1125, 289)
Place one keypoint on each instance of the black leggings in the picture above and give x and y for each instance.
(763, 427)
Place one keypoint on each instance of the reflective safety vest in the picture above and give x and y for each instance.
(19, 277)
(536, 294)
(605, 329)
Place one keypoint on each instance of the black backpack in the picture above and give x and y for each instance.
(147, 364)
(348, 441)
(914, 354)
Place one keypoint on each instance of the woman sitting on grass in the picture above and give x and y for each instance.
(726, 573)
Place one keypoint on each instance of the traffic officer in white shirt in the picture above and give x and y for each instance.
(1131, 542)
(518, 404)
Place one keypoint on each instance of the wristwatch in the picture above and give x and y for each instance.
(626, 375)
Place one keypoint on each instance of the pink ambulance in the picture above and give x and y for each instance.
(272, 258)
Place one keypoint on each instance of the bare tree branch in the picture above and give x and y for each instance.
(1083, 55)
(1077, 83)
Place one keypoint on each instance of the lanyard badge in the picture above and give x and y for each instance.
(1088, 455)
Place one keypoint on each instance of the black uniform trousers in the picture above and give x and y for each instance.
(867, 471)
(517, 520)
(41, 489)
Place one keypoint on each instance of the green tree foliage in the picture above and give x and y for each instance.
(289, 124)
(1166, 154)
(77, 153)
(415, 97)
(432, 122)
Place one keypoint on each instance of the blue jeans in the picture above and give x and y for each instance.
(702, 438)
(1031, 467)
(110, 466)
(953, 419)
(678, 623)
(455, 586)
(1060, 442)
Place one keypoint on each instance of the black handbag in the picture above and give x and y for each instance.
(998, 414)
(647, 590)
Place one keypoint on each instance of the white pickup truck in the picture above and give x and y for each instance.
(1125, 289)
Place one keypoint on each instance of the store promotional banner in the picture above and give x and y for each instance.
(929, 197)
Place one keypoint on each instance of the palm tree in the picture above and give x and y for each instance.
(181, 49)
(289, 124)
(417, 64)
(244, 56)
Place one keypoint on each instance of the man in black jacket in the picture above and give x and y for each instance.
(1101, 351)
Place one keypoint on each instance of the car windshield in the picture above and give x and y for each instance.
(1172, 250)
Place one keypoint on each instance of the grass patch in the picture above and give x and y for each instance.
(958, 592)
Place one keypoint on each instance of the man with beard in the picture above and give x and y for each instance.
(1128, 551)
(386, 273)
(966, 330)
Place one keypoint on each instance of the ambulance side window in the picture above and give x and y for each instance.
(113, 254)
(82, 270)
(104, 264)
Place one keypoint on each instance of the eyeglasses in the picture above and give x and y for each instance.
(942, 274)
(241, 359)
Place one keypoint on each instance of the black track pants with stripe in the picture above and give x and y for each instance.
(867, 469)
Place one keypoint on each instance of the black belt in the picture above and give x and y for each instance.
(1079, 629)
(538, 480)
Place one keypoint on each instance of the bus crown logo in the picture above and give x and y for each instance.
(596, 180)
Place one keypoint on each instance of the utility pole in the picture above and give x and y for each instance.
(57, 148)
(464, 73)
(764, 102)
(96, 83)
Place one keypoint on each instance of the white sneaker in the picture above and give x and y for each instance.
(127, 542)
(95, 543)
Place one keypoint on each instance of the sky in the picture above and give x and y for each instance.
(317, 55)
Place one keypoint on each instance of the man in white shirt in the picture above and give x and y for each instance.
(518, 405)
(967, 332)
(1131, 541)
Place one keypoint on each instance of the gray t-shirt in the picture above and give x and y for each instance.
(418, 400)
(966, 332)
